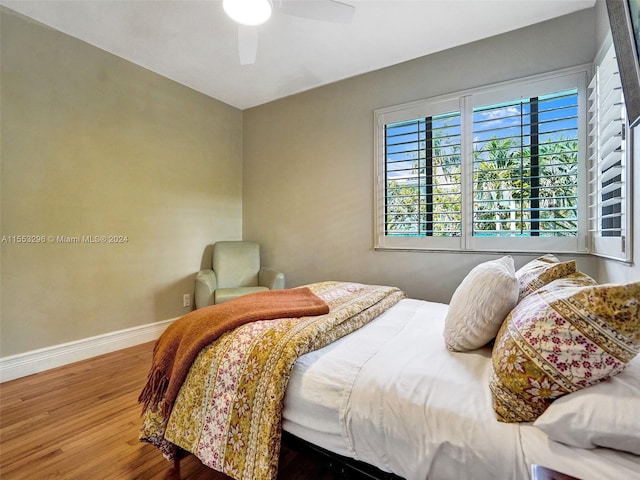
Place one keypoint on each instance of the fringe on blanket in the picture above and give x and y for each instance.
(153, 392)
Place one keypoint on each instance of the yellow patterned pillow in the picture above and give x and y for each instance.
(575, 279)
(539, 272)
(563, 337)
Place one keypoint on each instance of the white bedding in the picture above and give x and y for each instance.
(393, 396)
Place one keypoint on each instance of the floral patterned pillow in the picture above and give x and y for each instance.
(539, 272)
(562, 338)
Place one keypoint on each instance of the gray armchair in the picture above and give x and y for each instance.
(235, 271)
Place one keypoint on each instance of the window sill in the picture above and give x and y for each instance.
(482, 252)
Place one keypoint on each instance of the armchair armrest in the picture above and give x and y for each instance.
(270, 278)
(206, 284)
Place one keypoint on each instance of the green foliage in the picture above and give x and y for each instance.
(509, 198)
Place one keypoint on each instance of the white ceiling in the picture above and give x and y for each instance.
(195, 44)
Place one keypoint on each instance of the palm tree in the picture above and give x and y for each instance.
(498, 168)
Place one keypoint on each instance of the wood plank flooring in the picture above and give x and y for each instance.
(81, 421)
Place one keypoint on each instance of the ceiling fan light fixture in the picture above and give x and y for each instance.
(248, 12)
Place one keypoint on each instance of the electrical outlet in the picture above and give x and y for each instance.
(186, 300)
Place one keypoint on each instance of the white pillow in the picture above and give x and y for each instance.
(606, 414)
(480, 304)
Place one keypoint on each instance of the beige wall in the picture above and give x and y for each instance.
(308, 159)
(94, 145)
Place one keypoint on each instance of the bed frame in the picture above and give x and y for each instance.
(346, 468)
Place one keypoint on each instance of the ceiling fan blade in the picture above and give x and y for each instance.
(325, 10)
(247, 44)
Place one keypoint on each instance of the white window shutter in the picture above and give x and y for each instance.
(609, 204)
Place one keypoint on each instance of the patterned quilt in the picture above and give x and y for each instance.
(228, 412)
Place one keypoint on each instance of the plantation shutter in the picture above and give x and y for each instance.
(490, 169)
(525, 167)
(418, 176)
(422, 177)
(608, 148)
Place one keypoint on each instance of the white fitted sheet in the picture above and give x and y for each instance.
(392, 395)
(319, 390)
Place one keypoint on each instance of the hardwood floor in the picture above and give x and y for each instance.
(81, 421)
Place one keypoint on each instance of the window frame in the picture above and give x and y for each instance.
(465, 101)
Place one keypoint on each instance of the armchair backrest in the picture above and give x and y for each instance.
(236, 263)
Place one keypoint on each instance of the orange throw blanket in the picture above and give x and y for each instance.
(178, 346)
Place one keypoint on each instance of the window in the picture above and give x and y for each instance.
(525, 167)
(422, 177)
(496, 169)
(609, 175)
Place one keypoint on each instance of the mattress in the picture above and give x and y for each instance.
(391, 395)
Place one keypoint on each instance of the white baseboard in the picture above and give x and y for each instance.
(23, 364)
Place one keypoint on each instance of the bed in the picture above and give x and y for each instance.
(389, 392)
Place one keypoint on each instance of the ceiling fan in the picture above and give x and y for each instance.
(251, 13)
